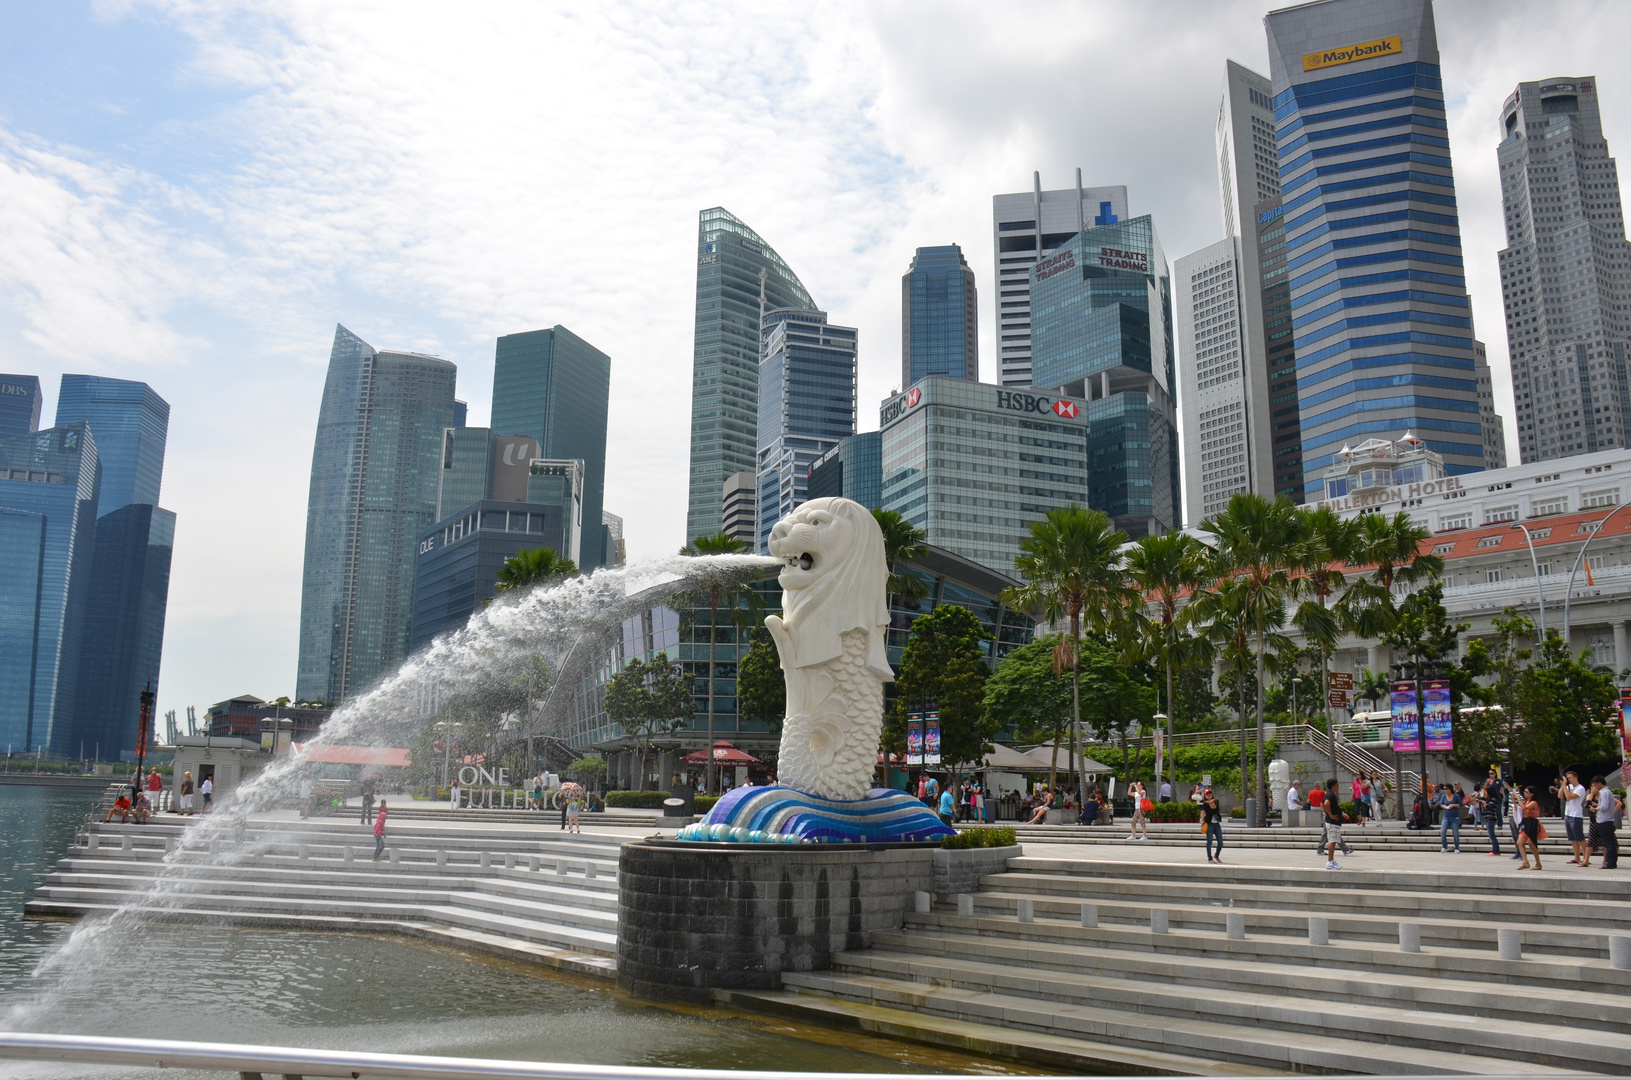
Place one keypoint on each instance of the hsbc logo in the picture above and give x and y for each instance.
(913, 396)
(1037, 403)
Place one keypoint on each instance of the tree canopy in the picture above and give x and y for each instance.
(943, 667)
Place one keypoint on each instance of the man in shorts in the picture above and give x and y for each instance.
(207, 790)
(1572, 795)
(1332, 810)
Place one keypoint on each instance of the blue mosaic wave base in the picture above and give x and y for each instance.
(780, 815)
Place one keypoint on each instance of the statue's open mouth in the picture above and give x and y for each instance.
(801, 562)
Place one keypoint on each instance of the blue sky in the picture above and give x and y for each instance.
(194, 192)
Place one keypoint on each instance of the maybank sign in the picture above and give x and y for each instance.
(1365, 50)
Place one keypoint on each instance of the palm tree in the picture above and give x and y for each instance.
(746, 608)
(1071, 565)
(1330, 545)
(1259, 541)
(1391, 547)
(1164, 569)
(537, 566)
(1228, 615)
(902, 542)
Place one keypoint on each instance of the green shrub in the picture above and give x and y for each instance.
(1238, 812)
(705, 803)
(636, 800)
(1175, 811)
(1001, 836)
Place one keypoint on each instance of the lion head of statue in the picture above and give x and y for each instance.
(835, 580)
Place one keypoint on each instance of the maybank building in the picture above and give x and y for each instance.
(972, 465)
(1382, 327)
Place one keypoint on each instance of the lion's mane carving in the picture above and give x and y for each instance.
(830, 637)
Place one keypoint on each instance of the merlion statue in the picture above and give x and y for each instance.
(831, 640)
(830, 637)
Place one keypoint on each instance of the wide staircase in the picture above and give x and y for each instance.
(1198, 970)
(538, 895)
(1389, 836)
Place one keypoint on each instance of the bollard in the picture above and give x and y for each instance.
(589, 871)
(301, 850)
(1510, 943)
(1234, 924)
(1619, 952)
(441, 857)
(1090, 915)
(1026, 910)
(1158, 920)
(532, 863)
(1409, 937)
(560, 867)
(350, 854)
(509, 861)
(124, 843)
(1319, 930)
(922, 902)
(90, 842)
(394, 857)
(965, 905)
(484, 860)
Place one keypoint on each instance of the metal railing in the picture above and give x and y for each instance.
(1349, 756)
(260, 1061)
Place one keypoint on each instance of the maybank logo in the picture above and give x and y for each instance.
(1366, 50)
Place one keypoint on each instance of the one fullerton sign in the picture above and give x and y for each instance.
(1348, 54)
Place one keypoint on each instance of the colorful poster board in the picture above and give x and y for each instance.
(1437, 720)
(931, 738)
(914, 738)
(1406, 720)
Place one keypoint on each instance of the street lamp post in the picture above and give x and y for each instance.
(1540, 595)
(447, 727)
(141, 736)
(1296, 681)
(1569, 595)
(1163, 766)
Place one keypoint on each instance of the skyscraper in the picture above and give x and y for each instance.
(49, 483)
(1102, 306)
(739, 278)
(1565, 272)
(806, 405)
(1494, 427)
(374, 482)
(130, 423)
(1025, 227)
(741, 514)
(1373, 241)
(939, 317)
(1226, 409)
(555, 387)
(130, 570)
(1274, 328)
(19, 405)
(853, 469)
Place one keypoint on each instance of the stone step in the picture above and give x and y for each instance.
(1429, 981)
(1279, 1048)
(1444, 929)
(291, 872)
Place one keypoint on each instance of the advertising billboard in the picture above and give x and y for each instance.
(1406, 721)
(931, 738)
(1436, 717)
(914, 738)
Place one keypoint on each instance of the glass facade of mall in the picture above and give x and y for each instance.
(806, 405)
(939, 317)
(1101, 308)
(374, 485)
(972, 465)
(49, 484)
(853, 470)
(732, 299)
(555, 387)
(1383, 328)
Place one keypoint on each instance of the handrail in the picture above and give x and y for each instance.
(1349, 754)
(254, 1061)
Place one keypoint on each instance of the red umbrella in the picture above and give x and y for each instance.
(724, 754)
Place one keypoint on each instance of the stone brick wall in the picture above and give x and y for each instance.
(693, 917)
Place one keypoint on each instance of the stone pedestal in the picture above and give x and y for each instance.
(693, 917)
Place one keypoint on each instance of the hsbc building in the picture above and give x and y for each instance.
(973, 464)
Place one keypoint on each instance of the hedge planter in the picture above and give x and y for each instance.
(959, 871)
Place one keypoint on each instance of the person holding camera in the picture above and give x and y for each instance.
(1604, 807)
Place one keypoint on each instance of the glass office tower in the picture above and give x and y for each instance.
(939, 317)
(130, 423)
(1102, 313)
(806, 404)
(554, 386)
(1383, 329)
(49, 483)
(853, 469)
(374, 481)
(19, 405)
(1564, 273)
(739, 278)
